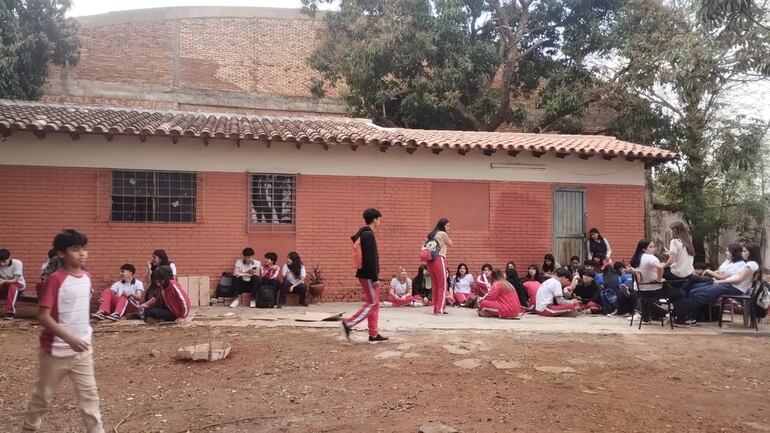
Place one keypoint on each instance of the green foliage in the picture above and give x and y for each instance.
(33, 35)
(455, 64)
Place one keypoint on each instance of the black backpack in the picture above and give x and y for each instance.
(225, 288)
(266, 296)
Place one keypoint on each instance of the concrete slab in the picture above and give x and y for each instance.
(461, 321)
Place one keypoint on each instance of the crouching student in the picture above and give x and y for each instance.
(170, 301)
(550, 296)
(587, 291)
(125, 296)
(11, 281)
(502, 300)
(400, 293)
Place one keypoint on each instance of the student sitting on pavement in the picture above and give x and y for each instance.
(11, 281)
(502, 300)
(462, 282)
(550, 296)
(421, 285)
(246, 277)
(531, 283)
(125, 296)
(170, 301)
(484, 280)
(400, 293)
(587, 291)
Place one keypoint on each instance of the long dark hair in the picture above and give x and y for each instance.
(679, 231)
(419, 279)
(595, 230)
(640, 247)
(457, 274)
(164, 261)
(538, 276)
(735, 252)
(296, 264)
(440, 227)
(162, 274)
(755, 253)
(512, 275)
(552, 266)
(499, 277)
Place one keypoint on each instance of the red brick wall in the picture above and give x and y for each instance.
(45, 200)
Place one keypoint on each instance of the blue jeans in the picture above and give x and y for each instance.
(706, 295)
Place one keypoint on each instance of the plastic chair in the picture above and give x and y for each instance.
(748, 300)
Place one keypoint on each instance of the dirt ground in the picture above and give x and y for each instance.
(309, 380)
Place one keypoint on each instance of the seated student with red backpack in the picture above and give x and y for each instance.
(123, 297)
(170, 301)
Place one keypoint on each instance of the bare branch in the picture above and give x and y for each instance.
(469, 117)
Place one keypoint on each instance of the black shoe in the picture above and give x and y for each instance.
(377, 338)
(346, 330)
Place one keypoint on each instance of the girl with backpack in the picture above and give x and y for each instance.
(437, 266)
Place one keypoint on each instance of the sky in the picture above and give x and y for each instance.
(92, 7)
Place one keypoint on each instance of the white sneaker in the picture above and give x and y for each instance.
(386, 304)
(253, 304)
(236, 302)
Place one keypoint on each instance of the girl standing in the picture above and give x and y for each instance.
(599, 251)
(437, 266)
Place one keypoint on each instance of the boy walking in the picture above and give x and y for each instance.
(11, 281)
(123, 297)
(66, 338)
(368, 275)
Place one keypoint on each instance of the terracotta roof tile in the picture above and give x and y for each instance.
(43, 117)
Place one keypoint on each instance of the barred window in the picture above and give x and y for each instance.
(153, 196)
(272, 204)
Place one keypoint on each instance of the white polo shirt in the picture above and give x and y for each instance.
(13, 270)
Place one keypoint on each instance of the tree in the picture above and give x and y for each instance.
(687, 66)
(33, 35)
(462, 64)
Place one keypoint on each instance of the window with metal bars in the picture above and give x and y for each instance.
(153, 196)
(272, 205)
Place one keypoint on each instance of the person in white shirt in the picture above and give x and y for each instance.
(550, 300)
(294, 275)
(11, 281)
(679, 265)
(739, 277)
(400, 293)
(649, 274)
(158, 258)
(246, 273)
(462, 283)
(123, 297)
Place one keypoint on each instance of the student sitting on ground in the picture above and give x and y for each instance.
(421, 286)
(462, 283)
(484, 280)
(512, 276)
(11, 281)
(549, 266)
(170, 301)
(574, 264)
(741, 272)
(586, 290)
(550, 296)
(125, 296)
(294, 275)
(502, 300)
(246, 277)
(532, 283)
(400, 293)
(52, 265)
(158, 258)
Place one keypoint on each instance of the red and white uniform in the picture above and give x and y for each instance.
(462, 289)
(69, 299)
(14, 270)
(401, 289)
(501, 301)
(548, 292)
(174, 297)
(482, 284)
(118, 298)
(531, 287)
(269, 272)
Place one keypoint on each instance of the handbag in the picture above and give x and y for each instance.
(429, 251)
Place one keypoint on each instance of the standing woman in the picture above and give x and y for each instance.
(159, 258)
(599, 250)
(437, 266)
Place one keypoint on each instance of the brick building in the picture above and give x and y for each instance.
(204, 185)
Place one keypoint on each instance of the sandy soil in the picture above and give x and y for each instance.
(309, 380)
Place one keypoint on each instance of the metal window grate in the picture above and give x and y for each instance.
(272, 202)
(150, 196)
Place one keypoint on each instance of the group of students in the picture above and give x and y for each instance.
(267, 283)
